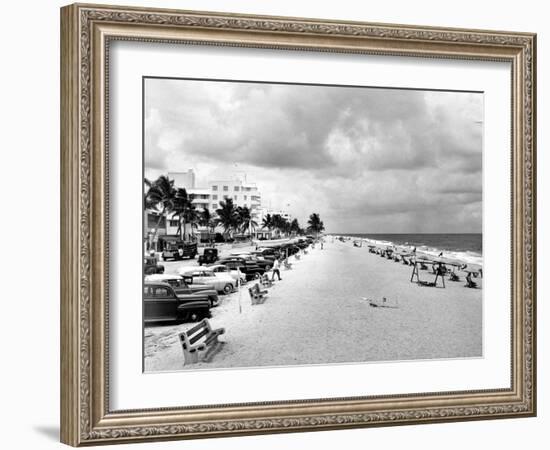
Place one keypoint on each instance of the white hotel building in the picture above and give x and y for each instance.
(238, 189)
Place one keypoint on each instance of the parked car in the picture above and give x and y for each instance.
(249, 258)
(181, 287)
(234, 273)
(173, 247)
(209, 256)
(250, 269)
(267, 253)
(151, 265)
(221, 282)
(162, 304)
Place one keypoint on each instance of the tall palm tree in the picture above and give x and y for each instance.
(281, 224)
(192, 217)
(267, 222)
(295, 226)
(315, 224)
(182, 204)
(207, 220)
(245, 220)
(227, 215)
(160, 195)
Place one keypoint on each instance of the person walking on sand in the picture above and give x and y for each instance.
(276, 270)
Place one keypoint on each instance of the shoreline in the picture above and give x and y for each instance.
(465, 256)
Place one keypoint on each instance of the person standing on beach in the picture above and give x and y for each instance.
(276, 270)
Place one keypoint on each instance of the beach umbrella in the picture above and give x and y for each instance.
(423, 257)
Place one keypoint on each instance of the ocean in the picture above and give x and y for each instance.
(467, 247)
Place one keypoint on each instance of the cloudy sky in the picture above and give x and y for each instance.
(367, 160)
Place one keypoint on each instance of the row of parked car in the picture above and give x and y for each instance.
(189, 295)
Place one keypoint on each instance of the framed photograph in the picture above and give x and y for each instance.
(276, 224)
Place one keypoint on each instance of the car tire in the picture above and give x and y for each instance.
(228, 288)
(268, 267)
(184, 317)
(257, 275)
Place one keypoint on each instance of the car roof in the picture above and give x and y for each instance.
(161, 276)
(195, 269)
(156, 283)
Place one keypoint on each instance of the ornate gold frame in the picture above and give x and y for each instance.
(86, 31)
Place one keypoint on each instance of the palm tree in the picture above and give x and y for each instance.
(295, 227)
(315, 224)
(227, 215)
(281, 224)
(245, 221)
(267, 222)
(182, 204)
(207, 220)
(160, 195)
(192, 217)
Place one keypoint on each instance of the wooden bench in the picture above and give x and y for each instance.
(201, 338)
(257, 296)
(266, 281)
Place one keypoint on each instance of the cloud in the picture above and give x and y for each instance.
(367, 159)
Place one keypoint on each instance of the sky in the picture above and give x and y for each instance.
(368, 160)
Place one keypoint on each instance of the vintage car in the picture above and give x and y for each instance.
(209, 256)
(181, 287)
(161, 303)
(234, 273)
(151, 265)
(249, 258)
(250, 269)
(267, 253)
(173, 247)
(222, 282)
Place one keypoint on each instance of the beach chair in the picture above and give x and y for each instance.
(297, 256)
(266, 281)
(469, 283)
(287, 265)
(453, 276)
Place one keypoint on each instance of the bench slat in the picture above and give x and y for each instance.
(197, 336)
(196, 328)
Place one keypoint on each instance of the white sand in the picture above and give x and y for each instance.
(316, 316)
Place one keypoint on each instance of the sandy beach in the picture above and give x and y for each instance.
(315, 315)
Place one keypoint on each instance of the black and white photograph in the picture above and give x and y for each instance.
(296, 224)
